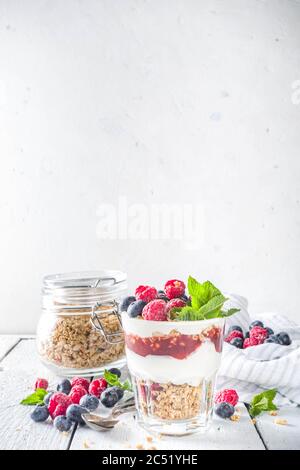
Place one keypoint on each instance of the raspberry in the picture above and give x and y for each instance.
(251, 342)
(233, 334)
(174, 288)
(97, 387)
(175, 303)
(56, 400)
(60, 410)
(85, 383)
(76, 393)
(258, 335)
(228, 395)
(155, 310)
(41, 383)
(145, 293)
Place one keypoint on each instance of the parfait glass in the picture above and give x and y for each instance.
(173, 367)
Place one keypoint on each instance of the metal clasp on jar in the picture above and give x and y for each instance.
(108, 308)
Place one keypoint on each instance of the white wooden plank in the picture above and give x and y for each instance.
(18, 431)
(6, 343)
(128, 435)
(278, 436)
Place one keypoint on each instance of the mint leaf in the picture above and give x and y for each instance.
(201, 293)
(35, 398)
(229, 312)
(189, 314)
(212, 308)
(263, 402)
(114, 381)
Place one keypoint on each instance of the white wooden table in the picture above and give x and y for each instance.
(19, 367)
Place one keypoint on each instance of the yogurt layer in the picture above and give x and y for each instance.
(203, 363)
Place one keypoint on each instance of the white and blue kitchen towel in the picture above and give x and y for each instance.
(255, 369)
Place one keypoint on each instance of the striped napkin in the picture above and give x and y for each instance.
(255, 369)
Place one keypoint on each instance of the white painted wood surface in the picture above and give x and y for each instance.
(19, 368)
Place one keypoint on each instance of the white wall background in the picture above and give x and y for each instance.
(158, 101)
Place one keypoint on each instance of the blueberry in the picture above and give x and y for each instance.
(90, 402)
(115, 371)
(64, 386)
(184, 297)
(109, 397)
(247, 334)
(136, 308)
(256, 323)
(224, 410)
(269, 331)
(237, 342)
(283, 338)
(74, 413)
(40, 413)
(120, 391)
(272, 339)
(162, 296)
(62, 423)
(47, 398)
(126, 302)
(235, 328)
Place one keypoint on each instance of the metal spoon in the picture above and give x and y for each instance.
(105, 423)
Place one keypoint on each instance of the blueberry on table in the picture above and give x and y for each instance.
(62, 423)
(90, 402)
(135, 308)
(64, 386)
(224, 410)
(272, 339)
(283, 338)
(109, 397)
(40, 413)
(74, 413)
(237, 342)
(269, 331)
(256, 323)
(115, 371)
(234, 328)
(126, 302)
(47, 398)
(120, 391)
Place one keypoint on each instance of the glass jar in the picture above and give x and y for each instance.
(173, 366)
(79, 331)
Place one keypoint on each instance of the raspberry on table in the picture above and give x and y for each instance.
(228, 395)
(175, 303)
(76, 393)
(174, 288)
(234, 334)
(145, 293)
(80, 381)
(41, 383)
(57, 399)
(60, 410)
(97, 387)
(155, 310)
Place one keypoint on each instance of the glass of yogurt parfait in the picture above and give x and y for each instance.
(173, 348)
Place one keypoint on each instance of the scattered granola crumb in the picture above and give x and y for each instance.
(235, 417)
(139, 446)
(253, 421)
(152, 448)
(149, 438)
(273, 413)
(65, 433)
(280, 421)
(18, 429)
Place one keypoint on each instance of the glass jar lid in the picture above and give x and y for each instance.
(82, 289)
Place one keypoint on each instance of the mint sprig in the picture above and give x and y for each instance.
(206, 302)
(35, 398)
(263, 402)
(114, 381)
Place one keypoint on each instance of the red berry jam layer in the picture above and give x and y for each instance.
(177, 345)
